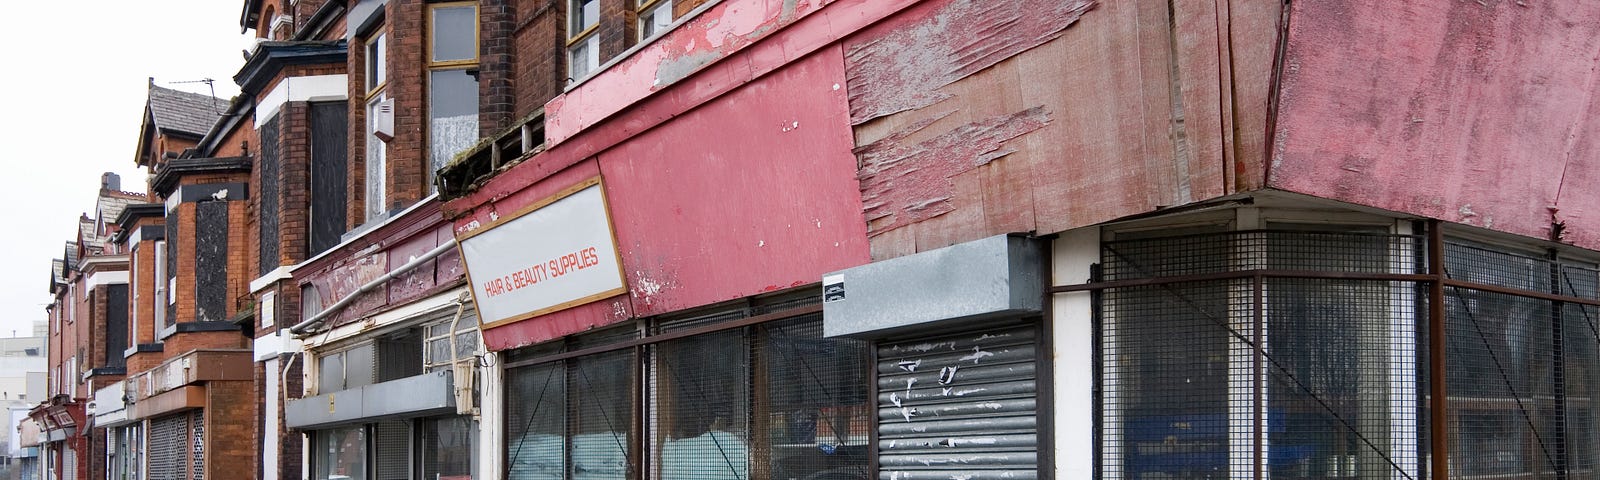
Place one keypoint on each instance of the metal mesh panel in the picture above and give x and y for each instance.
(391, 450)
(812, 411)
(600, 415)
(197, 439)
(1242, 377)
(535, 425)
(1581, 346)
(1343, 398)
(1165, 380)
(447, 447)
(1503, 366)
(699, 412)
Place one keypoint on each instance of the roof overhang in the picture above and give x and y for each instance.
(167, 178)
(270, 58)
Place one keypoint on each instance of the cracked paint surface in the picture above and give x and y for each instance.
(904, 183)
(905, 69)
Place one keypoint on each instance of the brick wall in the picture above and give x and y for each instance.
(182, 343)
(231, 430)
(295, 122)
(617, 20)
(539, 51)
(495, 90)
(356, 154)
(407, 155)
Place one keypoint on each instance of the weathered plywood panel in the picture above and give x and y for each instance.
(1473, 112)
(1070, 114)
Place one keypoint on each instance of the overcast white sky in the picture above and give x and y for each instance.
(71, 98)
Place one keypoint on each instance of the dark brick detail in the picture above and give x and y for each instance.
(211, 261)
(329, 134)
(495, 90)
(116, 331)
(192, 327)
(538, 53)
(269, 165)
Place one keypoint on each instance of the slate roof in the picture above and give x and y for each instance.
(71, 262)
(183, 112)
(107, 208)
(55, 274)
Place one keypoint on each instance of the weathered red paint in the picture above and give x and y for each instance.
(339, 273)
(1475, 112)
(903, 184)
(591, 118)
(904, 69)
(752, 193)
(1150, 104)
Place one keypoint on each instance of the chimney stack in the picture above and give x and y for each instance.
(110, 182)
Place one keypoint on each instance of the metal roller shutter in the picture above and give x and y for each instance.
(959, 406)
(168, 441)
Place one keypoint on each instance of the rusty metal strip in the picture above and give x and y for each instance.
(1438, 404)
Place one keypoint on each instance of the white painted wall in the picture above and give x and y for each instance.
(1072, 348)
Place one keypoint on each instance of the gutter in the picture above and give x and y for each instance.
(302, 327)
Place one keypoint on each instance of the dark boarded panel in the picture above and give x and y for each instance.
(172, 265)
(328, 175)
(270, 165)
(211, 261)
(116, 324)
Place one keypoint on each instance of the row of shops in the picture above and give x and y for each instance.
(841, 240)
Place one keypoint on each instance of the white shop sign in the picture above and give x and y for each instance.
(556, 254)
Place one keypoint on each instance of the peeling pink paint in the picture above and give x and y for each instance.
(772, 32)
(905, 69)
(1471, 112)
(903, 184)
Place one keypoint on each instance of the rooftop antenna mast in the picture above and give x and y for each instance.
(211, 84)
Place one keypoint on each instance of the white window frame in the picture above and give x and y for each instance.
(653, 10)
(583, 39)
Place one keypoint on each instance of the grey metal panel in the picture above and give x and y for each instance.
(959, 405)
(991, 277)
(419, 395)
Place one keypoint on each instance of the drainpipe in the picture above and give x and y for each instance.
(300, 328)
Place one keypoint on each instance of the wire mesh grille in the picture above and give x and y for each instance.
(600, 415)
(812, 411)
(447, 450)
(535, 426)
(1280, 377)
(699, 407)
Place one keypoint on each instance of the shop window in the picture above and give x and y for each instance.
(1321, 370)
(773, 400)
(452, 81)
(438, 346)
(340, 454)
(346, 369)
(447, 450)
(583, 42)
(654, 18)
(1296, 352)
(1520, 371)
